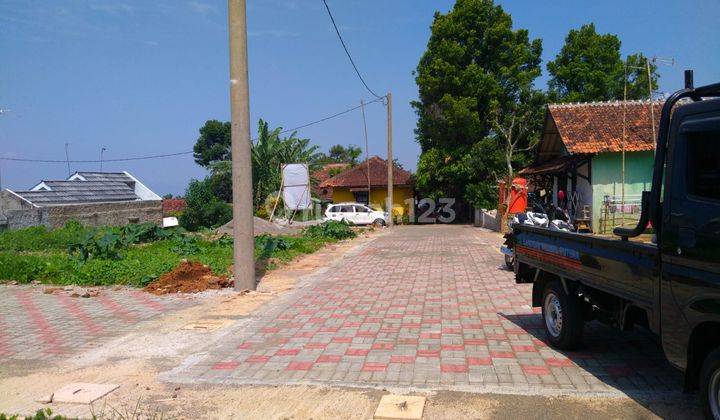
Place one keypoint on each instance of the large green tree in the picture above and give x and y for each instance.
(589, 67)
(213, 145)
(269, 152)
(476, 73)
(204, 208)
(342, 154)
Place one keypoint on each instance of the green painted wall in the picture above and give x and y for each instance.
(607, 178)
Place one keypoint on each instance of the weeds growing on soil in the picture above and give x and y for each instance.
(45, 414)
(138, 254)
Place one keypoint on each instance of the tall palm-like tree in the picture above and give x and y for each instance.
(270, 152)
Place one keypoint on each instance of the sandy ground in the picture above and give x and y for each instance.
(136, 360)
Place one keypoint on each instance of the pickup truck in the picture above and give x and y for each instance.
(669, 284)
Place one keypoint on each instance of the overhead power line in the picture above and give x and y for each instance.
(337, 31)
(94, 160)
(330, 117)
(166, 155)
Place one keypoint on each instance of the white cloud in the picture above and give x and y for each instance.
(271, 33)
(202, 8)
(112, 7)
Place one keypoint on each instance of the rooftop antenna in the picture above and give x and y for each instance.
(647, 67)
(2, 112)
(656, 60)
(102, 152)
(67, 157)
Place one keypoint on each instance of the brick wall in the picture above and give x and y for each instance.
(15, 215)
(105, 214)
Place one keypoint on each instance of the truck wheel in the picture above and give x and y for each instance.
(563, 317)
(710, 385)
(510, 262)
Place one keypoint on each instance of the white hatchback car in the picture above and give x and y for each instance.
(355, 214)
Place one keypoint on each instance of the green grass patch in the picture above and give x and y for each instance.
(137, 264)
(39, 238)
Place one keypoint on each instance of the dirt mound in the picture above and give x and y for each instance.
(188, 277)
(261, 226)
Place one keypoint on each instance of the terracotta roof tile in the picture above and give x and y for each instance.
(596, 127)
(173, 205)
(357, 175)
(323, 173)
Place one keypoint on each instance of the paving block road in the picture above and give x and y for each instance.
(426, 307)
(35, 326)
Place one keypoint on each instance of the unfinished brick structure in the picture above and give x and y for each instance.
(92, 198)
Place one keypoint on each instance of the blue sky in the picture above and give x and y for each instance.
(140, 77)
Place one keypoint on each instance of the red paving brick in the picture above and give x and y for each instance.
(430, 306)
(536, 370)
(257, 359)
(44, 329)
(300, 366)
(329, 358)
(226, 365)
(402, 359)
(357, 352)
(479, 361)
(374, 367)
(45, 326)
(453, 368)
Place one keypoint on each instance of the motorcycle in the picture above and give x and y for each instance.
(537, 219)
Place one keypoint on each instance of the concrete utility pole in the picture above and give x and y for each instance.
(367, 149)
(389, 160)
(102, 155)
(67, 157)
(243, 249)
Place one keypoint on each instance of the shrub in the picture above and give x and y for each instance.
(331, 229)
(39, 238)
(147, 232)
(262, 213)
(104, 244)
(204, 209)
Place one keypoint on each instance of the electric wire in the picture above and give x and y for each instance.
(342, 41)
(166, 155)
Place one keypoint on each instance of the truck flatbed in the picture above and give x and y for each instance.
(672, 287)
(623, 268)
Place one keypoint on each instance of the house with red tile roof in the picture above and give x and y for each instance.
(600, 154)
(321, 175)
(366, 183)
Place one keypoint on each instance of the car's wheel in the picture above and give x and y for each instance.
(710, 385)
(378, 222)
(510, 262)
(562, 316)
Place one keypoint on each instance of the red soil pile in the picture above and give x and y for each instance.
(188, 277)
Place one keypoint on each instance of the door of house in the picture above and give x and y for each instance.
(362, 197)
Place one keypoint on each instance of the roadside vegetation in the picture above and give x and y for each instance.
(138, 254)
(480, 109)
(208, 199)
